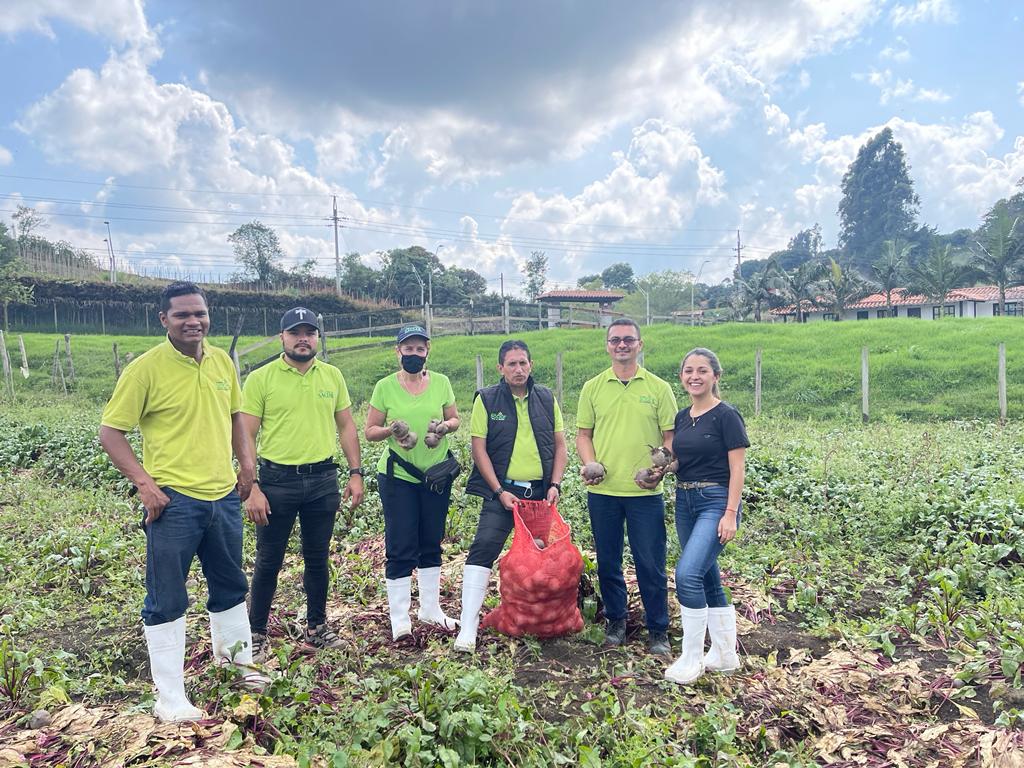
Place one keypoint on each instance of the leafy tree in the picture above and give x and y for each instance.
(805, 245)
(879, 202)
(590, 282)
(935, 276)
(759, 289)
(403, 269)
(474, 285)
(800, 286)
(357, 278)
(258, 252)
(535, 269)
(668, 291)
(890, 270)
(840, 288)
(11, 291)
(619, 275)
(26, 223)
(999, 255)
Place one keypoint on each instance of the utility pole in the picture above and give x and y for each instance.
(337, 258)
(739, 262)
(501, 276)
(110, 247)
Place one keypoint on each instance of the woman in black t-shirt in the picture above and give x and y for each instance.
(709, 444)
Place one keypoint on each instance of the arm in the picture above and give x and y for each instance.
(451, 418)
(350, 447)
(245, 451)
(257, 508)
(375, 431)
(483, 463)
(585, 450)
(558, 467)
(737, 469)
(123, 457)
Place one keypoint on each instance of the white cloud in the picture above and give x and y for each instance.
(938, 11)
(123, 21)
(898, 52)
(1020, 92)
(5, 156)
(891, 87)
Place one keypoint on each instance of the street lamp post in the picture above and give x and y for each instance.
(647, 300)
(110, 248)
(430, 276)
(693, 285)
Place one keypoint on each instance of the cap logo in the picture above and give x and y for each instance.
(301, 313)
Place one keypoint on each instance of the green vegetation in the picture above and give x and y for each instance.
(920, 370)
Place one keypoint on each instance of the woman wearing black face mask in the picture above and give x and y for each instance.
(401, 408)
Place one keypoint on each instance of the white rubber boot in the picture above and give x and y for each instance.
(474, 588)
(722, 628)
(690, 665)
(430, 599)
(399, 600)
(231, 640)
(166, 643)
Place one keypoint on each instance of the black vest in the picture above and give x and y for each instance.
(501, 432)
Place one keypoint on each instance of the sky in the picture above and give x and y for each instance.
(595, 131)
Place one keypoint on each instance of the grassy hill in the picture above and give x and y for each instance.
(919, 370)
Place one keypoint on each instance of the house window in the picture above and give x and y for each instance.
(895, 311)
(1014, 309)
(995, 310)
(862, 314)
(949, 310)
(936, 313)
(881, 313)
(828, 316)
(913, 312)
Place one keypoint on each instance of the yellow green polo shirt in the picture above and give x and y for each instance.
(525, 461)
(627, 420)
(183, 409)
(296, 410)
(394, 401)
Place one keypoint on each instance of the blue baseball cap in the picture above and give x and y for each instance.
(408, 331)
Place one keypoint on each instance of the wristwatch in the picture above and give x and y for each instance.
(558, 487)
(496, 494)
(356, 471)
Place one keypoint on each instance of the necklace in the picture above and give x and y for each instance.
(694, 420)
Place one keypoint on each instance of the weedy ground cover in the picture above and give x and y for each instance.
(877, 574)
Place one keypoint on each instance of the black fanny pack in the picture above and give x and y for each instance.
(438, 478)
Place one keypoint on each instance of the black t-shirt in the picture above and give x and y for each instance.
(703, 446)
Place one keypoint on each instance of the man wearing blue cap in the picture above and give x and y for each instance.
(299, 406)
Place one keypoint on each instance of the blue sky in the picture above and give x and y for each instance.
(594, 131)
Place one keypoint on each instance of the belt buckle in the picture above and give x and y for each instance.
(298, 469)
(528, 492)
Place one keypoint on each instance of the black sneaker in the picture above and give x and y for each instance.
(260, 647)
(322, 636)
(657, 643)
(615, 632)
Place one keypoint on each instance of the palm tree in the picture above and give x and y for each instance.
(799, 286)
(1000, 257)
(935, 276)
(841, 288)
(759, 288)
(890, 269)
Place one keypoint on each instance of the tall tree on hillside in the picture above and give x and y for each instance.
(890, 271)
(357, 278)
(258, 252)
(407, 273)
(535, 269)
(800, 286)
(590, 282)
(11, 290)
(840, 288)
(619, 275)
(758, 289)
(937, 275)
(999, 251)
(667, 291)
(879, 202)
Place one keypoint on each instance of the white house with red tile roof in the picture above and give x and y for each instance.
(978, 301)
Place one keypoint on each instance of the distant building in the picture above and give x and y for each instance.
(558, 314)
(979, 301)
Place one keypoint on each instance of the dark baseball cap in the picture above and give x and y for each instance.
(298, 316)
(407, 331)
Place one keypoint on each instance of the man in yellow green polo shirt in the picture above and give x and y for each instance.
(299, 406)
(623, 412)
(518, 453)
(184, 397)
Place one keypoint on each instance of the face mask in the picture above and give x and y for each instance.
(413, 363)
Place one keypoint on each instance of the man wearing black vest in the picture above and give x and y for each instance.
(518, 453)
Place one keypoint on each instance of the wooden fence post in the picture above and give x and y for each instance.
(428, 316)
(67, 351)
(103, 320)
(55, 318)
(570, 317)
(117, 363)
(757, 383)
(504, 315)
(558, 377)
(145, 314)
(1002, 382)
(864, 383)
(323, 339)
(540, 316)
(266, 328)
(8, 376)
(24, 356)
(479, 372)
(369, 324)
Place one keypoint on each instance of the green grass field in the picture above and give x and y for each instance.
(919, 370)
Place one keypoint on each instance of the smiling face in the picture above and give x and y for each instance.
(624, 344)
(187, 320)
(516, 368)
(697, 376)
(300, 342)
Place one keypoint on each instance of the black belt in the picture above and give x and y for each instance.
(300, 469)
(525, 489)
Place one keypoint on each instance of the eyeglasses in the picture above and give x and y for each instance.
(629, 341)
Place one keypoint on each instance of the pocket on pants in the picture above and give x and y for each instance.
(714, 492)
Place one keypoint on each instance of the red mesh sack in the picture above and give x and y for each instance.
(539, 584)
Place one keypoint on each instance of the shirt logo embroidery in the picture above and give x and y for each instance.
(646, 399)
(222, 385)
(498, 416)
(326, 394)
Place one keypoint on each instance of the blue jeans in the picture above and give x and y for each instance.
(644, 519)
(313, 499)
(186, 528)
(698, 512)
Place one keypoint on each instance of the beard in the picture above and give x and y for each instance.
(300, 357)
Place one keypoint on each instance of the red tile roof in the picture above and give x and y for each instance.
(902, 299)
(581, 295)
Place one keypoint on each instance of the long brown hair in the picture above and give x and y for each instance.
(712, 358)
